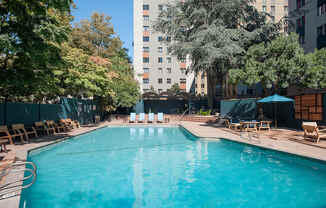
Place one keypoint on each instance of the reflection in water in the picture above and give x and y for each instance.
(248, 155)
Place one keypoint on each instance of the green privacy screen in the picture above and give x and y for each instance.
(82, 110)
(241, 109)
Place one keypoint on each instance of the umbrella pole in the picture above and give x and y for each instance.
(275, 115)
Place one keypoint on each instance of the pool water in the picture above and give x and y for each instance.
(169, 167)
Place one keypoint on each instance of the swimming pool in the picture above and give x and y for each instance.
(168, 167)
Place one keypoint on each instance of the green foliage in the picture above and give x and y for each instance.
(204, 113)
(214, 34)
(277, 64)
(30, 35)
(174, 90)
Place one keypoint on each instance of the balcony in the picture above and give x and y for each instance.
(321, 41)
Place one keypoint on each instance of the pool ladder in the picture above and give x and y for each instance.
(16, 183)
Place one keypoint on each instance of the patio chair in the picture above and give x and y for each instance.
(264, 125)
(3, 143)
(132, 118)
(151, 118)
(160, 117)
(27, 131)
(10, 134)
(141, 118)
(73, 123)
(44, 129)
(56, 127)
(233, 125)
(66, 124)
(311, 129)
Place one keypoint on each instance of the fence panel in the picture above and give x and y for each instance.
(241, 109)
(2, 114)
(22, 113)
(53, 112)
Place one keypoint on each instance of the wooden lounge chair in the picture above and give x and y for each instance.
(151, 117)
(265, 125)
(160, 118)
(74, 124)
(41, 127)
(66, 124)
(3, 143)
(10, 134)
(58, 128)
(20, 128)
(230, 125)
(311, 130)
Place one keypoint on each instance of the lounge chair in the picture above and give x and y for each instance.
(132, 118)
(58, 128)
(10, 134)
(66, 124)
(3, 143)
(311, 129)
(141, 118)
(74, 123)
(265, 125)
(151, 118)
(27, 131)
(41, 127)
(160, 117)
(231, 125)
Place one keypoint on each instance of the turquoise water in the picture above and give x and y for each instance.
(167, 167)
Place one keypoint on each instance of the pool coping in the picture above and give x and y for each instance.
(16, 199)
(259, 145)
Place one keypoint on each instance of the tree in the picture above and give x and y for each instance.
(174, 90)
(97, 37)
(215, 34)
(276, 65)
(30, 38)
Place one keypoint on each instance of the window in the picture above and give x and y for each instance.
(264, 8)
(160, 49)
(145, 60)
(145, 49)
(320, 30)
(160, 60)
(160, 39)
(168, 39)
(169, 70)
(168, 50)
(146, 18)
(146, 70)
(145, 81)
(160, 70)
(183, 81)
(160, 7)
(272, 10)
(160, 80)
(146, 38)
(183, 70)
(264, 1)
(168, 81)
(301, 3)
(145, 7)
(202, 86)
(321, 9)
(146, 28)
(286, 9)
(169, 60)
(273, 18)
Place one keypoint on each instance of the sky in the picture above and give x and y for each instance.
(121, 12)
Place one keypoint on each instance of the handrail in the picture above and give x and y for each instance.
(183, 114)
(13, 188)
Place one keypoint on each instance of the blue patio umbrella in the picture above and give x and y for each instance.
(275, 99)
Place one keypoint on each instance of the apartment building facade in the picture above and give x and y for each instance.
(155, 68)
(309, 20)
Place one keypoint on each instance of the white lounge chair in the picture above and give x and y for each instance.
(132, 118)
(141, 118)
(151, 118)
(160, 117)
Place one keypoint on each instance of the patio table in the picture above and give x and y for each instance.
(249, 125)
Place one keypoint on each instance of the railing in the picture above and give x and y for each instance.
(183, 114)
(15, 182)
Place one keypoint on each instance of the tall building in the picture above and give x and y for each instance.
(309, 19)
(154, 67)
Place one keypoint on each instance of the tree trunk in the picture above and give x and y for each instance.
(211, 89)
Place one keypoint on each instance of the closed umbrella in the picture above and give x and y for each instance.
(275, 99)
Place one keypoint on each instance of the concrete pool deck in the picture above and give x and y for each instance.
(202, 130)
